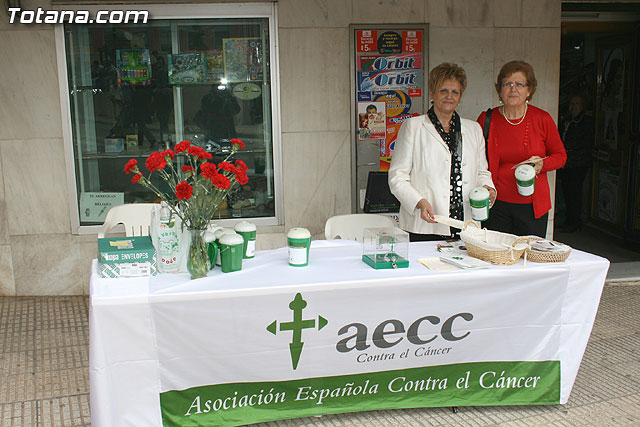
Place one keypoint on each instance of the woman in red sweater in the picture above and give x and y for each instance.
(520, 133)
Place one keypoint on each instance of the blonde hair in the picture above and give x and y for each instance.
(446, 71)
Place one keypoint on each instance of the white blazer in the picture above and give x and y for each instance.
(421, 169)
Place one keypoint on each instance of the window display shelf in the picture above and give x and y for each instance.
(204, 80)
(138, 154)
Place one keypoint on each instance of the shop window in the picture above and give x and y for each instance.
(138, 88)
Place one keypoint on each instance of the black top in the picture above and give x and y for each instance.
(577, 135)
(453, 139)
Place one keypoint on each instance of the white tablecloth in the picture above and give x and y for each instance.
(195, 340)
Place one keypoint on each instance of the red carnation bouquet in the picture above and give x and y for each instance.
(198, 188)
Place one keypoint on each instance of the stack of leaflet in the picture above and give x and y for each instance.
(455, 253)
(465, 262)
(543, 250)
(544, 245)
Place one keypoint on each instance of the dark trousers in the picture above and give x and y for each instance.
(572, 180)
(516, 218)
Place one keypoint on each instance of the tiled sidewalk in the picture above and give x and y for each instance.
(44, 361)
(44, 373)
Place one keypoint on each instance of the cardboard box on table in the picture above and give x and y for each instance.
(126, 257)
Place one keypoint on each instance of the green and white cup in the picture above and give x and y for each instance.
(212, 247)
(219, 233)
(479, 200)
(231, 252)
(526, 179)
(299, 240)
(213, 227)
(248, 232)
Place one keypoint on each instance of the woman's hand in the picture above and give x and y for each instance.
(536, 161)
(492, 195)
(426, 211)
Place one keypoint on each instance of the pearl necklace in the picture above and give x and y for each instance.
(520, 121)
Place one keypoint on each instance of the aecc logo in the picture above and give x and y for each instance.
(385, 335)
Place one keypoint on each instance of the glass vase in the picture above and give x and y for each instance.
(198, 260)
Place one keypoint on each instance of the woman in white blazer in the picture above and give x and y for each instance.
(438, 159)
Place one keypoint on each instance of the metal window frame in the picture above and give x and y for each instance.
(177, 11)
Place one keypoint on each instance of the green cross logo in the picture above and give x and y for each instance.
(296, 326)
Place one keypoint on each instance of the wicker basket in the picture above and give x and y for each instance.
(540, 256)
(493, 246)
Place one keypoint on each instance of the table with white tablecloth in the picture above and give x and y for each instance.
(273, 341)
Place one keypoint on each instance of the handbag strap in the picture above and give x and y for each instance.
(485, 131)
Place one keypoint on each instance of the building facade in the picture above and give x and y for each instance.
(41, 250)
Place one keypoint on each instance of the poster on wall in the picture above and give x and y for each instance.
(371, 120)
(389, 72)
(390, 62)
(134, 67)
(399, 108)
(242, 59)
(388, 80)
(187, 68)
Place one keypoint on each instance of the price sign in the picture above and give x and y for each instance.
(412, 41)
(366, 40)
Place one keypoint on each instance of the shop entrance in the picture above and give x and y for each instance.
(598, 191)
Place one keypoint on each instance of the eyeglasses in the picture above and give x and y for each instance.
(518, 85)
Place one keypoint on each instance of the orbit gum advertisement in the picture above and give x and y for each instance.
(389, 75)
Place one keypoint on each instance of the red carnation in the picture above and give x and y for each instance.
(236, 141)
(169, 153)
(187, 168)
(183, 190)
(199, 153)
(136, 178)
(242, 178)
(209, 170)
(242, 165)
(182, 146)
(221, 181)
(130, 166)
(226, 166)
(155, 161)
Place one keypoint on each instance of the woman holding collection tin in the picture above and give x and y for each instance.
(439, 159)
(523, 145)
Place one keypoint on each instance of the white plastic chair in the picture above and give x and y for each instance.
(351, 226)
(136, 218)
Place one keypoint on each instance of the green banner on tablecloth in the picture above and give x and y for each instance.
(464, 384)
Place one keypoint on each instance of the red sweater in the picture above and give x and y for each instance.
(509, 145)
